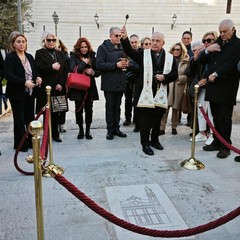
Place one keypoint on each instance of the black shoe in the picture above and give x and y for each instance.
(237, 158)
(211, 147)
(109, 136)
(136, 129)
(126, 122)
(88, 136)
(223, 153)
(120, 134)
(80, 135)
(57, 140)
(174, 131)
(147, 150)
(161, 132)
(157, 145)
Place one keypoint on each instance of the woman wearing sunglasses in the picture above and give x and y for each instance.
(176, 88)
(199, 73)
(53, 69)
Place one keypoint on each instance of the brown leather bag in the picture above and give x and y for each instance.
(186, 101)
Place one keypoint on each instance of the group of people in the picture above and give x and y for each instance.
(27, 78)
(152, 79)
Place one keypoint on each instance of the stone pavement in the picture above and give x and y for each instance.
(114, 173)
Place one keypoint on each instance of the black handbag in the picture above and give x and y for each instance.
(59, 103)
(76, 94)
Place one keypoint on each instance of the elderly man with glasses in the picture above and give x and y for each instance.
(158, 68)
(112, 62)
(222, 83)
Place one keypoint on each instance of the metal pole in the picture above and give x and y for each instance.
(56, 29)
(80, 31)
(19, 6)
(34, 129)
(192, 163)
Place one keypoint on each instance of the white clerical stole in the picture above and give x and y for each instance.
(146, 98)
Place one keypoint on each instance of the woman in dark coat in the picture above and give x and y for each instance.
(52, 67)
(83, 58)
(21, 74)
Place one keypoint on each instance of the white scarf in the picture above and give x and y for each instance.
(146, 98)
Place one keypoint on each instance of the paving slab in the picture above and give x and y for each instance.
(195, 197)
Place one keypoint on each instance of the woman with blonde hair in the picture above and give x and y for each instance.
(199, 73)
(176, 88)
(22, 76)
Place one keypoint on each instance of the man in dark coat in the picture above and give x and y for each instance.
(111, 62)
(223, 81)
(151, 115)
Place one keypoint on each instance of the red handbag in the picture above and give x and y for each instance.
(78, 80)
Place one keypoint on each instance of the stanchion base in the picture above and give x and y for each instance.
(192, 164)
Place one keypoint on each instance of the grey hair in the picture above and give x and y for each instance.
(161, 35)
(112, 29)
(44, 36)
(197, 44)
(227, 22)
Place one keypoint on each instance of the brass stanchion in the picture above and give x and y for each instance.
(192, 163)
(34, 128)
(45, 172)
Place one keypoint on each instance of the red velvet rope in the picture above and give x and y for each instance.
(44, 145)
(216, 133)
(142, 230)
(20, 145)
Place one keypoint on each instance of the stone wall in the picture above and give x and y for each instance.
(198, 15)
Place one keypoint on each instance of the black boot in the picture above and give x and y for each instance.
(88, 134)
(81, 133)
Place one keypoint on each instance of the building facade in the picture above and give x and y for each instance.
(76, 18)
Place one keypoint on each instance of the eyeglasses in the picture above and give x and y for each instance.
(177, 49)
(196, 50)
(147, 44)
(117, 35)
(208, 40)
(51, 40)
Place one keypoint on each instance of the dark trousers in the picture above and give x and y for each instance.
(128, 101)
(62, 118)
(113, 110)
(222, 119)
(23, 114)
(149, 122)
(87, 107)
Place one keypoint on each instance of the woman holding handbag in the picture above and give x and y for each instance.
(83, 60)
(53, 69)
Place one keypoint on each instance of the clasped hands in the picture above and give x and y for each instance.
(30, 83)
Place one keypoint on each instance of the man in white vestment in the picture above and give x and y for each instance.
(158, 68)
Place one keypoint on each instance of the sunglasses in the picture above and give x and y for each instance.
(176, 49)
(208, 40)
(51, 40)
(147, 44)
(117, 35)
